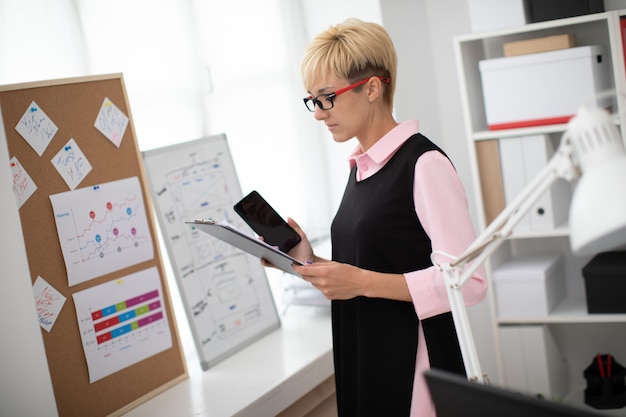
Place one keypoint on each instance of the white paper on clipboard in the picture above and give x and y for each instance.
(226, 232)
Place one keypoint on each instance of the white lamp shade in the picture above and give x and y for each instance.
(598, 211)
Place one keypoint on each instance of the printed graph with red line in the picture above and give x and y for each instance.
(102, 229)
(122, 322)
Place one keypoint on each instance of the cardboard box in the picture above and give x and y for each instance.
(530, 286)
(605, 283)
(490, 174)
(545, 44)
(543, 88)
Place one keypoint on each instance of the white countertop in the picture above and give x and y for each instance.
(262, 379)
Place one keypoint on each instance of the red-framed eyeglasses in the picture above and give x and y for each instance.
(327, 101)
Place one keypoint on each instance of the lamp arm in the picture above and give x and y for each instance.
(503, 225)
(560, 166)
(458, 272)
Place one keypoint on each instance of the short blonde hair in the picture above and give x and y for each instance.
(353, 50)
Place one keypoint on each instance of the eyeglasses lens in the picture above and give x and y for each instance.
(323, 101)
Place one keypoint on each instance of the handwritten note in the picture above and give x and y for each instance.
(71, 164)
(48, 302)
(23, 185)
(36, 128)
(111, 122)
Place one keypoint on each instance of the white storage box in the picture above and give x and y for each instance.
(530, 286)
(543, 88)
(533, 362)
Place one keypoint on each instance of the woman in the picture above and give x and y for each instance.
(403, 200)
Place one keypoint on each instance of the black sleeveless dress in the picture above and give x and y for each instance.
(375, 340)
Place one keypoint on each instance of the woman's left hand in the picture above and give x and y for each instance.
(337, 281)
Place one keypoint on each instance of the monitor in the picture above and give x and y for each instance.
(453, 396)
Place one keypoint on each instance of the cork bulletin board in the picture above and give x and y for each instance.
(99, 284)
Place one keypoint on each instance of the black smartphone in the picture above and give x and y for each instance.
(266, 222)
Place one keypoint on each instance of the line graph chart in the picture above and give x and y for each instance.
(102, 229)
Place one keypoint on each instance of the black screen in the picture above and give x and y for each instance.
(453, 396)
(266, 222)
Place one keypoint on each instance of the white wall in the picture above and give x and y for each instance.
(25, 385)
(614, 4)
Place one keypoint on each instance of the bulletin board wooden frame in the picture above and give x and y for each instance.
(73, 105)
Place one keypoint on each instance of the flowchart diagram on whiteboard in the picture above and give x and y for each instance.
(225, 291)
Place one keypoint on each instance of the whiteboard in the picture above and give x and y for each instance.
(225, 291)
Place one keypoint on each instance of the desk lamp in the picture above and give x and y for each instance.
(591, 150)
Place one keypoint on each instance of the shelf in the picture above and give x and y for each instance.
(537, 27)
(569, 331)
(594, 29)
(526, 131)
(572, 310)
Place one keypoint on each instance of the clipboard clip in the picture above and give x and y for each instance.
(204, 221)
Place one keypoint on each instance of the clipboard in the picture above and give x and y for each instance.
(256, 247)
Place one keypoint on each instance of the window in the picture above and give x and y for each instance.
(191, 68)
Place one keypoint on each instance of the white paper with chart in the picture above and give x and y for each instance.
(102, 228)
(122, 322)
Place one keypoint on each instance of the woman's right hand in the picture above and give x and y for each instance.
(302, 251)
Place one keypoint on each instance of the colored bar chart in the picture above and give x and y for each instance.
(122, 322)
(127, 328)
(127, 315)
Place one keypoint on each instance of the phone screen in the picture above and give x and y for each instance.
(266, 222)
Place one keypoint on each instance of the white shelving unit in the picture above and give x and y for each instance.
(575, 335)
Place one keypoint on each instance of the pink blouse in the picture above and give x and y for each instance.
(441, 205)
